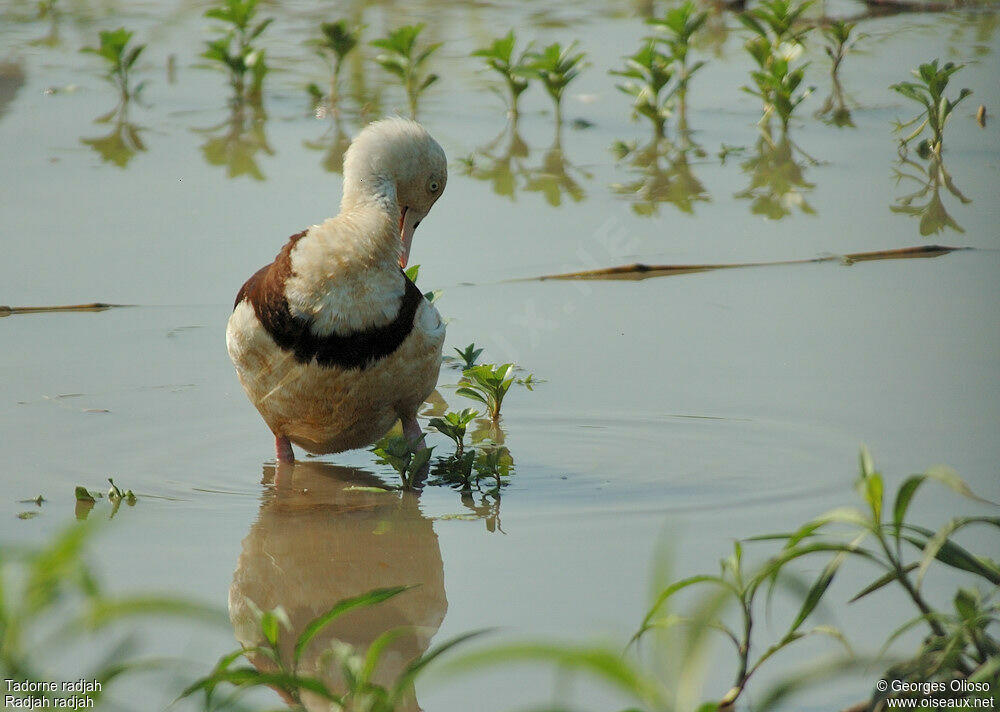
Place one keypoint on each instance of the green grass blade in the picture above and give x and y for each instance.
(318, 624)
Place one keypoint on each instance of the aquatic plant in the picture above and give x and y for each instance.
(930, 93)
(469, 355)
(494, 463)
(960, 643)
(839, 41)
(488, 384)
(778, 42)
(119, 58)
(777, 21)
(86, 499)
(676, 30)
(269, 667)
(338, 39)
(516, 73)
(453, 425)
(408, 459)
(399, 60)
(777, 82)
(55, 603)
(649, 71)
(557, 66)
(234, 50)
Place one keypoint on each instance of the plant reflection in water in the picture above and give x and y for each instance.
(929, 176)
(655, 183)
(235, 142)
(777, 180)
(325, 533)
(123, 142)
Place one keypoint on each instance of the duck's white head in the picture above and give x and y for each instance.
(395, 164)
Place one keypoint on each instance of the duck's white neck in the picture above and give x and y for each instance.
(370, 191)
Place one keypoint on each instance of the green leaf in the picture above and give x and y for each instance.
(319, 623)
(469, 393)
(882, 581)
(817, 590)
(82, 495)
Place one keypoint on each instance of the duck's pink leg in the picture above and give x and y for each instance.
(283, 449)
(412, 431)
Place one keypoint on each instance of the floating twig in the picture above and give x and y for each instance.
(92, 307)
(644, 271)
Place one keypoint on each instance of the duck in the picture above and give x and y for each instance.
(332, 342)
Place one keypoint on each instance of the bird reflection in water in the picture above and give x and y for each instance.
(321, 536)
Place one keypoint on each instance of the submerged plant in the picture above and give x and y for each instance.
(488, 384)
(119, 58)
(930, 93)
(453, 425)
(339, 38)
(234, 50)
(399, 60)
(557, 66)
(516, 73)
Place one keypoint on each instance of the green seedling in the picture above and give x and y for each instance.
(840, 41)
(676, 30)
(453, 425)
(777, 81)
(55, 601)
(488, 384)
(530, 381)
(648, 72)
(516, 73)
(496, 464)
(285, 651)
(120, 58)
(234, 50)
(778, 42)
(777, 21)
(930, 93)
(338, 39)
(455, 470)
(401, 59)
(412, 272)
(469, 355)
(407, 458)
(557, 66)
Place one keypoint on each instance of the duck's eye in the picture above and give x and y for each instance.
(433, 186)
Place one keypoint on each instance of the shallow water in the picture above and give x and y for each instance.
(677, 413)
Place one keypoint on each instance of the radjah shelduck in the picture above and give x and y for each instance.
(331, 341)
